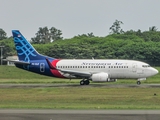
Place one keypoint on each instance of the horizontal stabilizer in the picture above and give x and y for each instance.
(17, 62)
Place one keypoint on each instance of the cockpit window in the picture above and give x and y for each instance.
(145, 66)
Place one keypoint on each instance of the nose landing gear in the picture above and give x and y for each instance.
(139, 80)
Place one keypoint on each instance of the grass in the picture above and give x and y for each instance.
(80, 98)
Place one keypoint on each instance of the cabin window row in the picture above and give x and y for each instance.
(91, 66)
(81, 66)
(118, 66)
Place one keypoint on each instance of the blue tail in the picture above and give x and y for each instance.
(25, 50)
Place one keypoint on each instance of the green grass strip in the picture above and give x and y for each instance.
(80, 98)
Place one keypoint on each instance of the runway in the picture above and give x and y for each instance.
(77, 85)
(12, 114)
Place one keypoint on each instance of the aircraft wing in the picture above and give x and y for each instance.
(75, 73)
(17, 62)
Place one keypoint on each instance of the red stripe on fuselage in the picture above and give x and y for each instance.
(56, 72)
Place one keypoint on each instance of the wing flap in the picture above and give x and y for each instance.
(76, 73)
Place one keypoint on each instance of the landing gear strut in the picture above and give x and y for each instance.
(138, 82)
(84, 82)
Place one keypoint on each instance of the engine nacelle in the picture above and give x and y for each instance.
(100, 77)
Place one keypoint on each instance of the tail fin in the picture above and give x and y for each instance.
(25, 50)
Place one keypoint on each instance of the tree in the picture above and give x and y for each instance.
(45, 35)
(55, 34)
(153, 28)
(116, 28)
(88, 35)
(3, 34)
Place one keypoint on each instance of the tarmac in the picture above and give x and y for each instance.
(77, 85)
(14, 114)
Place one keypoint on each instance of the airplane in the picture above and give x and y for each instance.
(96, 70)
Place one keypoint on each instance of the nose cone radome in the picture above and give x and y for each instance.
(154, 71)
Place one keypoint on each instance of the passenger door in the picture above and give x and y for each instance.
(134, 67)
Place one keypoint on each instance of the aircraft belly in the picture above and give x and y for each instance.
(124, 74)
(117, 75)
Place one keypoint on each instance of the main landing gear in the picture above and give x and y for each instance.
(138, 82)
(84, 82)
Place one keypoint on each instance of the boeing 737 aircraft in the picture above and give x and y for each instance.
(96, 70)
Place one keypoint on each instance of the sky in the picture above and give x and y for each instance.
(75, 17)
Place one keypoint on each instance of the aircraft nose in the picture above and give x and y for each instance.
(154, 71)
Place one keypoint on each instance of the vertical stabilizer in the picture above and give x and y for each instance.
(25, 50)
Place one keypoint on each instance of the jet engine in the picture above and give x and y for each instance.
(100, 77)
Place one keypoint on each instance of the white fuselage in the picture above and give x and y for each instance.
(115, 68)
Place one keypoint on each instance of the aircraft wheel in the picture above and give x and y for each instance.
(87, 82)
(138, 82)
(82, 82)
